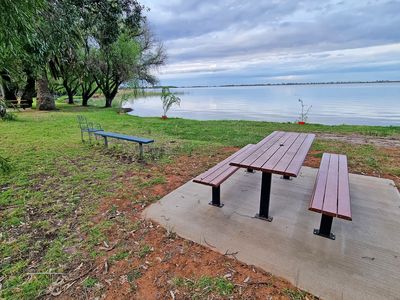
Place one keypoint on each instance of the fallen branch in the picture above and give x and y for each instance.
(231, 254)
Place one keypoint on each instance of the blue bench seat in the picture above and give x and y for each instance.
(129, 138)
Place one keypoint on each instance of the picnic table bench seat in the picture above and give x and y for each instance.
(130, 138)
(331, 196)
(215, 176)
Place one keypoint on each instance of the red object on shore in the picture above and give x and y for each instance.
(301, 123)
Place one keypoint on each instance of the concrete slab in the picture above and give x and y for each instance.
(362, 263)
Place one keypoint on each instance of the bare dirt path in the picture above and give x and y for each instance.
(393, 141)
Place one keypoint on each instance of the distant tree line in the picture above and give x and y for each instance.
(74, 47)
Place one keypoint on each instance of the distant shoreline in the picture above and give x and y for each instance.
(280, 84)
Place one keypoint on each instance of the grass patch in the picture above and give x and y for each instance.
(295, 294)
(204, 285)
(89, 282)
(120, 256)
(144, 250)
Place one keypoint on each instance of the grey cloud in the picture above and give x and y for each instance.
(210, 31)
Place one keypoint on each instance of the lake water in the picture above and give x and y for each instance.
(363, 104)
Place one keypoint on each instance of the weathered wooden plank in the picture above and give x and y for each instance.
(280, 153)
(295, 165)
(221, 168)
(247, 158)
(344, 209)
(290, 154)
(317, 200)
(222, 163)
(223, 176)
(270, 151)
(331, 189)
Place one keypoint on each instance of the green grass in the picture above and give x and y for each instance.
(199, 288)
(56, 182)
(144, 250)
(89, 282)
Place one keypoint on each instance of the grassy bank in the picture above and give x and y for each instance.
(63, 200)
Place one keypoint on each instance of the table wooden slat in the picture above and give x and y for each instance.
(290, 154)
(280, 153)
(260, 161)
(295, 165)
(344, 210)
(249, 157)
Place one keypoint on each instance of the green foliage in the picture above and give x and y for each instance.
(168, 99)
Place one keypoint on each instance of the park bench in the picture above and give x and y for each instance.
(124, 137)
(88, 127)
(331, 196)
(215, 176)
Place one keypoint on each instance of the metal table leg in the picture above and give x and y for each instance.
(265, 197)
(216, 197)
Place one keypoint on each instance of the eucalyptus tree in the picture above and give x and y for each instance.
(119, 45)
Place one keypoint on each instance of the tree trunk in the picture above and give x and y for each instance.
(109, 100)
(70, 92)
(29, 91)
(70, 97)
(110, 95)
(9, 89)
(85, 100)
(45, 100)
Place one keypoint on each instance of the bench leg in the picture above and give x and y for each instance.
(325, 227)
(105, 141)
(265, 197)
(140, 151)
(216, 197)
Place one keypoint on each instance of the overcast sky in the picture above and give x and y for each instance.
(229, 41)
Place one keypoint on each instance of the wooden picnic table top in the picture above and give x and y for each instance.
(279, 153)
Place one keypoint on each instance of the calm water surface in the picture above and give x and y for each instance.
(364, 104)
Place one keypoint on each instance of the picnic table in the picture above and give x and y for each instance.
(279, 153)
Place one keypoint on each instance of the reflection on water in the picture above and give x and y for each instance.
(364, 104)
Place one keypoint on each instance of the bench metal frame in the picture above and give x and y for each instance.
(140, 141)
(325, 227)
(88, 127)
